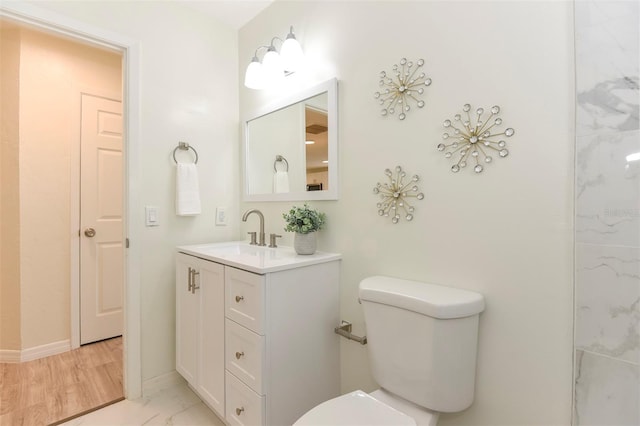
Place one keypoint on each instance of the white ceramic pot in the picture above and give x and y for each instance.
(304, 243)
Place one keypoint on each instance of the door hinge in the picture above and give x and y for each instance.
(126, 243)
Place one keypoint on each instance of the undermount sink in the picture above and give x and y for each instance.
(258, 259)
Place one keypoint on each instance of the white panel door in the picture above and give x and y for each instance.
(101, 235)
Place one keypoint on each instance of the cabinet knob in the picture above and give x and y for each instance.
(239, 298)
(239, 355)
(239, 411)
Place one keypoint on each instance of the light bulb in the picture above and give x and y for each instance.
(291, 53)
(254, 77)
(272, 67)
(633, 157)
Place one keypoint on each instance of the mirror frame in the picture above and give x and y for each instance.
(329, 86)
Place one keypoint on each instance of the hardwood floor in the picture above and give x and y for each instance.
(49, 390)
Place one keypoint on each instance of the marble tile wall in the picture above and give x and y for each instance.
(607, 297)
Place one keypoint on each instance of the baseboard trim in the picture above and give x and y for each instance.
(9, 355)
(36, 352)
(45, 350)
(161, 382)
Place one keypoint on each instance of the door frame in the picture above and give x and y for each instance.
(80, 31)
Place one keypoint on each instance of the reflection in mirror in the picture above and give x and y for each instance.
(317, 152)
(290, 150)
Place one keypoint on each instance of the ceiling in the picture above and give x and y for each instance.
(235, 13)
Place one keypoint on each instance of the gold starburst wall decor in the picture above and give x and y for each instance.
(406, 83)
(394, 194)
(474, 139)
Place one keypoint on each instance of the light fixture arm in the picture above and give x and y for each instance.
(291, 34)
(272, 46)
(255, 55)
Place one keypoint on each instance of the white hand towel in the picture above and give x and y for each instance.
(187, 190)
(280, 182)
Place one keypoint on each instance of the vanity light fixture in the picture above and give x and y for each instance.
(633, 157)
(274, 66)
(309, 142)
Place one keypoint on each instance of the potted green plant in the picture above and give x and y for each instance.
(304, 221)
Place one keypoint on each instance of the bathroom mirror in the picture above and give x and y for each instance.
(291, 147)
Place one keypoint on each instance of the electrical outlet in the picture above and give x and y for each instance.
(221, 216)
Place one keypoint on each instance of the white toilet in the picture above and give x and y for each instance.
(422, 342)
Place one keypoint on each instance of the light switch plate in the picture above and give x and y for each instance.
(221, 216)
(151, 216)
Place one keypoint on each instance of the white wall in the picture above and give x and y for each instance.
(188, 92)
(506, 233)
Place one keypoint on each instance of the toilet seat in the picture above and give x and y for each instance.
(354, 409)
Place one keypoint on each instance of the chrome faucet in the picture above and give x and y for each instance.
(246, 214)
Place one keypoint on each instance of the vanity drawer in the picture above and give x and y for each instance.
(244, 298)
(244, 354)
(244, 407)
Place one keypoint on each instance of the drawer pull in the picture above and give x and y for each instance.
(239, 298)
(239, 411)
(192, 287)
(239, 355)
(190, 279)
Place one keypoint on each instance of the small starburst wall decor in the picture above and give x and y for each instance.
(394, 194)
(406, 83)
(474, 139)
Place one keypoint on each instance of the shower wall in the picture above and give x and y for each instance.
(607, 293)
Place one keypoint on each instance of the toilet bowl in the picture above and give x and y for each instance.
(422, 342)
(362, 409)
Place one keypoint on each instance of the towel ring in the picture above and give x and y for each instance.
(184, 146)
(280, 158)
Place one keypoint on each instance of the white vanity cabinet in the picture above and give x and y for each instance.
(274, 324)
(200, 327)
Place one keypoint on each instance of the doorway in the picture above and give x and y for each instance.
(62, 133)
(53, 79)
(128, 59)
(69, 174)
(96, 36)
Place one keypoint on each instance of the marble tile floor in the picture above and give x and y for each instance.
(173, 405)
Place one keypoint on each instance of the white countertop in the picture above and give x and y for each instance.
(261, 260)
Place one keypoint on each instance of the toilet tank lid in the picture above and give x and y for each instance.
(433, 300)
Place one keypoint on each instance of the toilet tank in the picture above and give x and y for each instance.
(422, 340)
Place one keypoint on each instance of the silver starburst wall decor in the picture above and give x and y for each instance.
(406, 83)
(394, 195)
(474, 139)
